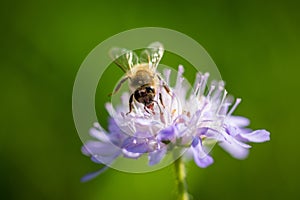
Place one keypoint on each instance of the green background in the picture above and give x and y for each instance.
(255, 45)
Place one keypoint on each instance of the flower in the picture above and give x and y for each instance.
(192, 120)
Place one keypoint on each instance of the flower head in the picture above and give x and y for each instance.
(192, 120)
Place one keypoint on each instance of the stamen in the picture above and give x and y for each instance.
(203, 83)
(179, 86)
(180, 69)
(222, 101)
(110, 109)
(197, 82)
(179, 76)
(217, 93)
(237, 102)
(124, 98)
(212, 88)
(196, 116)
(97, 125)
(196, 88)
(162, 118)
(130, 126)
(167, 73)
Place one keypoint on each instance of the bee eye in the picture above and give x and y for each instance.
(149, 90)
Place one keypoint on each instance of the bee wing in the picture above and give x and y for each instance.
(124, 58)
(152, 55)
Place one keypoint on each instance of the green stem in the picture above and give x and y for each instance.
(181, 180)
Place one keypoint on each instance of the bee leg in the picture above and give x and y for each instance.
(145, 108)
(119, 86)
(130, 104)
(161, 101)
(158, 107)
(168, 90)
(165, 85)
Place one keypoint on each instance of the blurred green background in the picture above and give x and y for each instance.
(255, 44)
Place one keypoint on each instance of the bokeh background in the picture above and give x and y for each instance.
(254, 43)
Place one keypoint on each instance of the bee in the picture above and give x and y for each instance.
(141, 74)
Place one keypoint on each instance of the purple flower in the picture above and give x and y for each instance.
(194, 122)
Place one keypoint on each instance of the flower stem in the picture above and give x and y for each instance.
(181, 180)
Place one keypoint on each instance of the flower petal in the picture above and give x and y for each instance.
(256, 136)
(113, 126)
(137, 148)
(99, 134)
(235, 149)
(107, 160)
(136, 145)
(238, 121)
(156, 156)
(203, 162)
(201, 158)
(100, 148)
(128, 154)
(92, 175)
(167, 134)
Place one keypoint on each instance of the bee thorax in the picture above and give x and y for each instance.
(140, 78)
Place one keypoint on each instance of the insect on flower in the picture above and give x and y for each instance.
(190, 124)
(142, 75)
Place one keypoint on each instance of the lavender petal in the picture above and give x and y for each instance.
(107, 160)
(137, 148)
(167, 134)
(201, 158)
(101, 148)
(92, 175)
(156, 156)
(256, 136)
(235, 149)
(203, 162)
(238, 121)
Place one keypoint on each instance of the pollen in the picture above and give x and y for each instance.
(173, 112)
